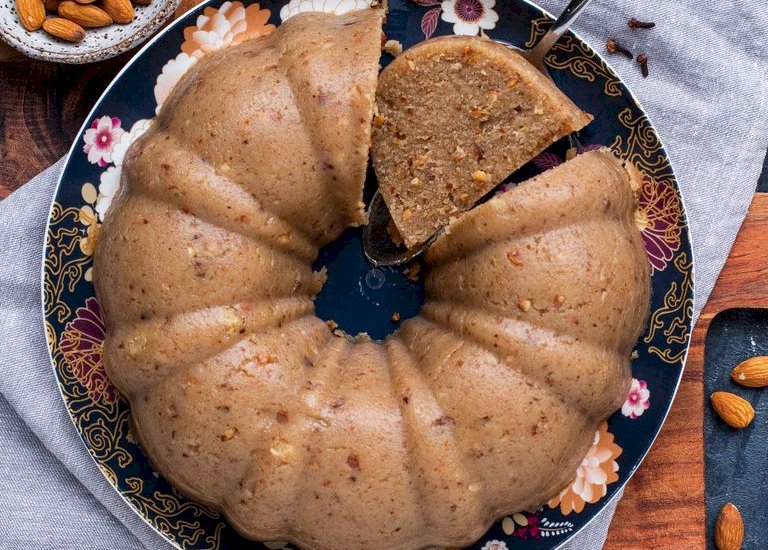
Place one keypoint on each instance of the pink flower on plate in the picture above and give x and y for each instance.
(469, 16)
(100, 138)
(522, 525)
(638, 399)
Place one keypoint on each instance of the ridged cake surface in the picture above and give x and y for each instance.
(482, 405)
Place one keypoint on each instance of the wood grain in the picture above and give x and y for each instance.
(664, 503)
(43, 105)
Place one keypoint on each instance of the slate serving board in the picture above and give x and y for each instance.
(735, 321)
(737, 460)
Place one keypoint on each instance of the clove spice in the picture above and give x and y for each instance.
(642, 59)
(614, 47)
(635, 24)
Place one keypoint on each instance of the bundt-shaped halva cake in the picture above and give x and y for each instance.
(243, 398)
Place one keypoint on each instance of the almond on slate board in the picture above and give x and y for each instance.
(85, 15)
(735, 411)
(31, 13)
(121, 11)
(752, 373)
(64, 29)
(729, 529)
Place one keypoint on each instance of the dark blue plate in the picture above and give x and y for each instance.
(356, 296)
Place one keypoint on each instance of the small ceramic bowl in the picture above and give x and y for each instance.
(98, 44)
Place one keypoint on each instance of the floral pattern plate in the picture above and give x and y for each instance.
(92, 176)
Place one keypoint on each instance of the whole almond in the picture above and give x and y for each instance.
(752, 373)
(734, 410)
(84, 15)
(64, 29)
(121, 11)
(729, 529)
(31, 13)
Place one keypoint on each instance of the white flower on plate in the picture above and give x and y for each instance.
(110, 178)
(591, 477)
(494, 545)
(172, 73)
(108, 186)
(338, 7)
(125, 141)
(469, 16)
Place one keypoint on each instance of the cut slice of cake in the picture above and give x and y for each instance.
(456, 116)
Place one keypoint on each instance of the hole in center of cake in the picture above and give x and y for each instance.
(361, 298)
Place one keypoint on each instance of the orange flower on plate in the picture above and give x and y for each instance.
(92, 229)
(228, 25)
(217, 28)
(598, 469)
(88, 217)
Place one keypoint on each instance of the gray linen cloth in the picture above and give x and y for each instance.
(708, 97)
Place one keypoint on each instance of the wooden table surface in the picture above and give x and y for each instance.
(42, 106)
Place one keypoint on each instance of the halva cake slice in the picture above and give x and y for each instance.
(455, 116)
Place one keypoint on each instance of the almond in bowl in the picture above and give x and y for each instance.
(80, 31)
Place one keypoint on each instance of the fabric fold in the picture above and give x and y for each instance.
(64, 490)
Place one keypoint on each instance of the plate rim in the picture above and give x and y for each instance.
(685, 227)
